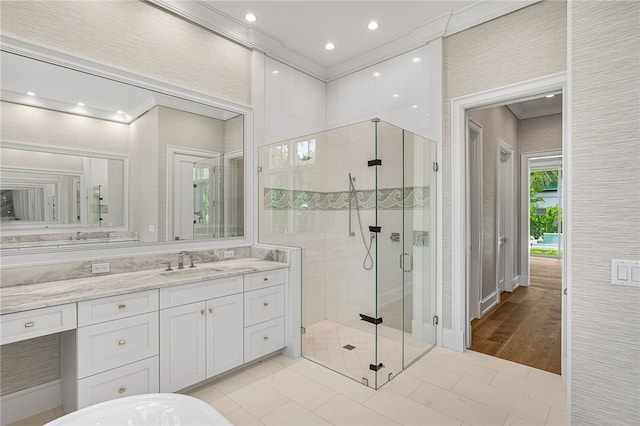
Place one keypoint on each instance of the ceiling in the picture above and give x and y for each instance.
(295, 32)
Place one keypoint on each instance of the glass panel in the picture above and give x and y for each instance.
(390, 251)
(419, 245)
(359, 308)
(317, 192)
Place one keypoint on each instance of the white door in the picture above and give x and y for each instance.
(182, 346)
(475, 222)
(225, 333)
(505, 219)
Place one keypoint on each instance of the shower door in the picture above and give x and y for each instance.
(405, 273)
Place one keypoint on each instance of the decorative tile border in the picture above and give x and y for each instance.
(388, 199)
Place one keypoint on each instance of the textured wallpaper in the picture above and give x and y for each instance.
(605, 323)
(137, 37)
(520, 46)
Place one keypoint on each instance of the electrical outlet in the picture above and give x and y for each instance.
(99, 268)
(228, 254)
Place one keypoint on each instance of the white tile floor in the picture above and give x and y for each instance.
(442, 388)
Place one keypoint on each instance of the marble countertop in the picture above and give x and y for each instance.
(33, 296)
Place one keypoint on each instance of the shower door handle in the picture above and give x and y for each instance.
(402, 265)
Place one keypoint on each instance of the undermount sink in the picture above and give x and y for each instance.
(189, 272)
(161, 409)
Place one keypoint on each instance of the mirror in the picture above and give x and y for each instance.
(45, 188)
(81, 153)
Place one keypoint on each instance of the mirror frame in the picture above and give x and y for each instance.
(176, 96)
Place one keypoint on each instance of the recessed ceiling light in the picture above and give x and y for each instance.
(250, 17)
(275, 72)
(551, 95)
(373, 25)
(414, 106)
(395, 95)
(31, 94)
(376, 74)
(329, 46)
(81, 104)
(120, 112)
(416, 60)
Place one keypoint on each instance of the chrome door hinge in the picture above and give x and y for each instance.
(303, 330)
(436, 167)
(259, 169)
(435, 320)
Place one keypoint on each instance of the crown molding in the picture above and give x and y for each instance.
(208, 17)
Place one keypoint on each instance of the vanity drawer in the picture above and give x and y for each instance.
(264, 338)
(264, 304)
(112, 344)
(132, 379)
(196, 292)
(263, 279)
(37, 322)
(115, 307)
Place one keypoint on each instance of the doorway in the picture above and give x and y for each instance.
(183, 191)
(510, 282)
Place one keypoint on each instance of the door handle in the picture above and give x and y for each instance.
(403, 267)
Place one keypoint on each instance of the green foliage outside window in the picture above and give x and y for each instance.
(540, 181)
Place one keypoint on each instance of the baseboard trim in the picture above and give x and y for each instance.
(488, 302)
(453, 339)
(27, 402)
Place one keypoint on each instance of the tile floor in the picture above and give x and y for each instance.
(442, 388)
(324, 343)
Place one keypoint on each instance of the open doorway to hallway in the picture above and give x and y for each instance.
(515, 231)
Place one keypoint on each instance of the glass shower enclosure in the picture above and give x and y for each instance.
(360, 201)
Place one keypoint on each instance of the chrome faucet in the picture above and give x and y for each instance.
(181, 256)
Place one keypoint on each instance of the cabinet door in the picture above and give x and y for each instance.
(224, 334)
(182, 346)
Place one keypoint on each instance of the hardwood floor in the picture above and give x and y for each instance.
(525, 326)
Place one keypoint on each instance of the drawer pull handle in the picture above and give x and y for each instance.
(29, 324)
(265, 304)
(122, 342)
(266, 337)
(122, 306)
(265, 279)
(122, 390)
(210, 310)
(202, 312)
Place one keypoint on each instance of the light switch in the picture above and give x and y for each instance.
(625, 272)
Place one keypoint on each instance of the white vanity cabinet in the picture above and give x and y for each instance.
(114, 351)
(264, 304)
(201, 331)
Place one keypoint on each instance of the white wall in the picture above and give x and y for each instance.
(294, 102)
(362, 96)
(497, 124)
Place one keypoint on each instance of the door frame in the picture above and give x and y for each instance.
(455, 337)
